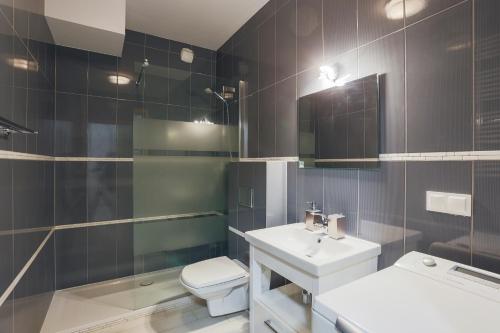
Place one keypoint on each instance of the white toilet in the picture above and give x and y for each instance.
(222, 282)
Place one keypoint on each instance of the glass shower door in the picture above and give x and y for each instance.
(180, 185)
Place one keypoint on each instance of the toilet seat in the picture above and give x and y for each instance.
(222, 282)
(212, 272)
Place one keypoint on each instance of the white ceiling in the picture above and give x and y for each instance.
(205, 23)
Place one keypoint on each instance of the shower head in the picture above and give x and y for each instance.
(143, 66)
(210, 91)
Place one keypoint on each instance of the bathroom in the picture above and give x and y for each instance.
(168, 166)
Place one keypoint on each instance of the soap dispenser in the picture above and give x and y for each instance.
(337, 226)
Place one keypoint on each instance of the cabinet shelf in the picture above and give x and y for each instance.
(285, 304)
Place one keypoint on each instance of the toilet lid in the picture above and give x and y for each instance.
(211, 272)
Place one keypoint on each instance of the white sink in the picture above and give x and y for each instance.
(312, 252)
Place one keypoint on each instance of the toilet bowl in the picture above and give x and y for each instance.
(222, 282)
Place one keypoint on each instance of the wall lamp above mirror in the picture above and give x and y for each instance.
(339, 126)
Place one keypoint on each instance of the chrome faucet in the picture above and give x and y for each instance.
(315, 220)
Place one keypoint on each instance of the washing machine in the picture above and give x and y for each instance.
(419, 293)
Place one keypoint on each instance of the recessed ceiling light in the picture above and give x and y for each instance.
(23, 64)
(119, 79)
(394, 9)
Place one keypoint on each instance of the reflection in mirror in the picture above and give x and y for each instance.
(339, 126)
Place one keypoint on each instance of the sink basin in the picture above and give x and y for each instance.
(312, 252)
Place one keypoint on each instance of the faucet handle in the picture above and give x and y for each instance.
(312, 205)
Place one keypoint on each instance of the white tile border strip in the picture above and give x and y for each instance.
(25, 268)
(137, 220)
(12, 155)
(493, 155)
(93, 159)
(267, 159)
(236, 231)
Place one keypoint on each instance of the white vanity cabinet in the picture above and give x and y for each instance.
(295, 253)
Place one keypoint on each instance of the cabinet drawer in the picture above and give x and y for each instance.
(266, 322)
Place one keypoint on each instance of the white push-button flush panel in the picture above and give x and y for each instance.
(449, 203)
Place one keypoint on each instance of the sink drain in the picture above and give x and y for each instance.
(146, 283)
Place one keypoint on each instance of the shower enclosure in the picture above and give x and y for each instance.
(179, 183)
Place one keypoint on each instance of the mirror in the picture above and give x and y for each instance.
(339, 126)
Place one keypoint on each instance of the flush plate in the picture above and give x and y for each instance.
(449, 203)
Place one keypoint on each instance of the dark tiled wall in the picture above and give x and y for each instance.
(439, 92)
(240, 217)
(26, 187)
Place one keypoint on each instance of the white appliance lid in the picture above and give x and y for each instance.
(398, 300)
(211, 272)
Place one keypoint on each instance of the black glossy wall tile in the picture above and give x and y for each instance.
(124, 190)
(101, 191)
(253, 125)
(6, 224)
(71, 192)
(377, 19)
(102, 72)
(291, 196)
(381, 209)
(124, 127)
(124, 249)
(19, 111)
(417, 11)
(101, 127)
(267, 53)
(135, 37)
(33, 293)
(243, 251)
(20, 74)
(233, 193)
(385, 57)
(286, 40)
(101, 253)
(487, 62)
(260, 195)
(309, 34)
(156, 82)
(179, 81)
(33, 194)
(176, 47)
(178, 113)
(439, 85)
(340, 26)
(438, 234)
(286, 117)
(310, 188)
(485, 251)
(157, 43)
(71, 257)
(232, 243)
(155, 111)
(72, 70)
(202, 65)
(44, 103)
(199, 98)
(267, 122)
(71, 125)
(341, 195)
